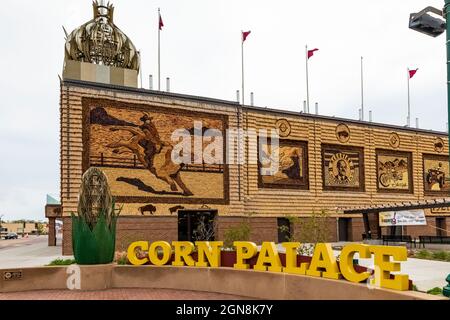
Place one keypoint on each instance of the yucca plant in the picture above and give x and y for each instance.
(94, 228)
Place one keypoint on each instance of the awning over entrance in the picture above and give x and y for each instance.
(371, 213)
(426, 204)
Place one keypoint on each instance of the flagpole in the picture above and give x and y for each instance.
(307, 81)
(409, 100)
(243, 85)
(362, 88)
(239, 116)
(159, 49)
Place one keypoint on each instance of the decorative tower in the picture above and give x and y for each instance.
(99, 51)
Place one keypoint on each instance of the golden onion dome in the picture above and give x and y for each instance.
(100, 41)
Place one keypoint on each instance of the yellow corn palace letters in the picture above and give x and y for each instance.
(323, 263)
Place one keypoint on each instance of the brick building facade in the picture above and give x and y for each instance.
(238, 192)
(325, 163)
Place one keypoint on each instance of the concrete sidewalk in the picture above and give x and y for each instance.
(32, 252)
(425, 274)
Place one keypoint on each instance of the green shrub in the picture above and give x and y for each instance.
(448, 257)
(435, 291)
(123, 261)
(439, 255)
(315, 228)
(121, 258)
(423, 254)
(239, 233)
(62, 262)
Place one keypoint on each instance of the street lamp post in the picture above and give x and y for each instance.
(446, 13)
(425, 23)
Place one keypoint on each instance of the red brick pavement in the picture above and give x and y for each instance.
(118, 294)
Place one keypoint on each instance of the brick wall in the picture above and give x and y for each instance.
(330, 225)
(67, 237)
(262, 229)
(51, 232)
(131, 229)
(428, 230)
(357, 229)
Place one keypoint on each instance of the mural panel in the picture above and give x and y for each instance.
(133, 145)
(293, 165)
(394, 171)
(342, 168)
(436, 174)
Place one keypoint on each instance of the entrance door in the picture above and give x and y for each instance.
(396, 231)
(441, 226)
(196, 225)
(284, 230)
(344, 224)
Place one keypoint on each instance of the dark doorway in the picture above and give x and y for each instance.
(396, 230)
(441, 226)
(196, 225)
(284, 230)
(344, 225)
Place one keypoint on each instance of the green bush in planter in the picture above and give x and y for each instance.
(94, 228)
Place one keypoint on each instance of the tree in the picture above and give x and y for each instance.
(240, 232)
(206, 229)
(308, 230)
(40, 228)
(315, 229)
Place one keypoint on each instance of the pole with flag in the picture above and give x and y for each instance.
(160, 27)
(362, 88)
(410, 74)
(245, 35)
(309, 54)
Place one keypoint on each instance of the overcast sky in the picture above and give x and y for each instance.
(201, 54)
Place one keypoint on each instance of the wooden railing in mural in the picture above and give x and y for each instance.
(134, 163)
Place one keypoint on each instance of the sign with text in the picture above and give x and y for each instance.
(403, 218)
(323, 263)
(12, 275)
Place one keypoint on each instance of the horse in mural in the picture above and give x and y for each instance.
(152, 152)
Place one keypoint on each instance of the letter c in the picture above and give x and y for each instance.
(131, 254)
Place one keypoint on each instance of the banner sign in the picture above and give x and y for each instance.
(403, 218)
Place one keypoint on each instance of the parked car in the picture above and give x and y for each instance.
(11, 235)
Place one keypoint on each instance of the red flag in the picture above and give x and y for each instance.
(311, 52)
(412, 73)
(161, 23)
(245, 35)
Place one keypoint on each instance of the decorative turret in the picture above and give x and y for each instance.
(99, 51)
